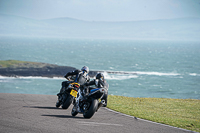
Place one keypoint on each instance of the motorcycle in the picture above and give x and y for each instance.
(90, 104)
(69, 94)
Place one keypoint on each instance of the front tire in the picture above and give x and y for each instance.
(67, 102)
(92, 109)
(58, 104)
(74, 112)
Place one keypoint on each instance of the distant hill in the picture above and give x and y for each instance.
(171, 29)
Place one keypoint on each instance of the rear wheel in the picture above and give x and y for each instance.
(91, 110)
(67, 102)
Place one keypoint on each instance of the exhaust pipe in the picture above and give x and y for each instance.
(103, 102)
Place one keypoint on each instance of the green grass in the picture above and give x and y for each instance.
(182, 113)
(9, 63)
(17, 63)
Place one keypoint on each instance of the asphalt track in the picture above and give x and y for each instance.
(28, 113)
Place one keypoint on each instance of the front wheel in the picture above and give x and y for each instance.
(67, 102)
(58, 104)
(74, 112)
(92, 109)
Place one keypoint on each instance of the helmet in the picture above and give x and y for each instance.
(99, 81)
(100, 76)
(85, 68)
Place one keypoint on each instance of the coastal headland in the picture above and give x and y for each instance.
(14, 68)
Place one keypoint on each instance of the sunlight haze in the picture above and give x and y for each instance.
(102, 10)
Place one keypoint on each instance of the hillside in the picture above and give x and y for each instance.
(13, 68)
(172, 29)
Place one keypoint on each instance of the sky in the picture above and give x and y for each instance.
(102, 10)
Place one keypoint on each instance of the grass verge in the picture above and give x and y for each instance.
(182, 113)
(12, 63)
(24, 64)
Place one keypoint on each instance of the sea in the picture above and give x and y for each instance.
(132, 68)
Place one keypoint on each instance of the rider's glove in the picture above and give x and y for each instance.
(66, 76)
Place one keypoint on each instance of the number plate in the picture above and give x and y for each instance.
(73, 93)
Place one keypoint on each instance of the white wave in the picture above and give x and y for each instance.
(30, 77)
(118, 76)
(157, 73)
(194, 74)
(5, 77)
(122, 75)
(143, 73)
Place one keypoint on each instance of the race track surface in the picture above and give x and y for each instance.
(37, 113)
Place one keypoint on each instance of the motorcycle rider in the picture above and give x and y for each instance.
(99, 82)
(79, 76)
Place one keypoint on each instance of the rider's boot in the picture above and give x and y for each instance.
(58, 103)
(77, 107)
(80, 97)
